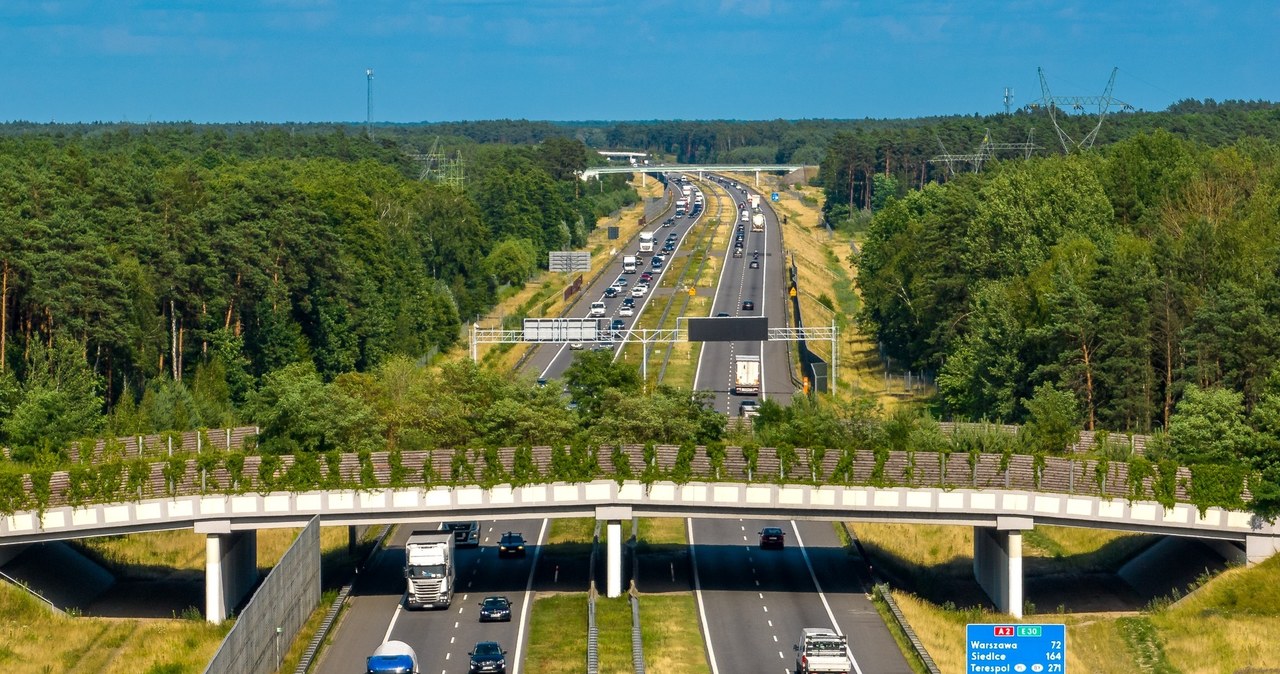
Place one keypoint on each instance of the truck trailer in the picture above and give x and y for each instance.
(746, 375)
(429, 569)
(757, 222)
(392, 657)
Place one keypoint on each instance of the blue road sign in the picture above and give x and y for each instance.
(774, 196)
(1016, 649)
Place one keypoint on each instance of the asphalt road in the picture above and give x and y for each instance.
(442, 638)
(765, 287)
(551, 360)
(754, 603)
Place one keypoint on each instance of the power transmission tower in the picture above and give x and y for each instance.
(436, 167)
(1102, 104)
(368, 107)
(986, 151)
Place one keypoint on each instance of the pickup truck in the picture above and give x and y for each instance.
(822, 650)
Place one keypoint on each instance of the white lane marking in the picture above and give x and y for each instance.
(455, 624)
(465, 596)
(394, 617)
(770, 623)
(805, 553)
(446, 655)
(724, 264)
(743, 527)
(697, 591)
(761, 594)
(766, 609)
(757, 580)
(775, 638)
(528, 593)
(452, 639)
(780, 656)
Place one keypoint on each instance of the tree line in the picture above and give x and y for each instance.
(1139, 281)
(162, 275)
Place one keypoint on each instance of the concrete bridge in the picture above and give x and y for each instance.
(699, 169)
(999, 516)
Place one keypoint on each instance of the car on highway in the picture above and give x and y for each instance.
(637, 291)
(597, 309)
(755, 264)
(611, 291)
(512, 544)
(575, 346)
(628, 302)
(647, 276)
(603, 346)
(748, 305)
(625, 310)
(748, 408)
(722, 314)
(772, 537)
(621, 282)
(495, 609)
(487, 657)
(618, 324)
(657, 263)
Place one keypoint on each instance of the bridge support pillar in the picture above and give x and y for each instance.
(231, 568)
(1260, 548)
(613, 516)
(997, 562)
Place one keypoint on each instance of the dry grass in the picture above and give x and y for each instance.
(663, 531)
(184, 549)
(929, 545)
(670, 634)
(32, 639)
(572, 530)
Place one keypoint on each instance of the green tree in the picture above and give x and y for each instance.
(1208, 426)
(592, 374)
(1053, 420)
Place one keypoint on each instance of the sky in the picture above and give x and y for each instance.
(227, 61)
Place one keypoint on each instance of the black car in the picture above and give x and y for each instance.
(488, 656)
(618, 324)
(772, 537)
(495, 609)
(628, 302)
(512, 543)
(748, 305)
(468, 533)
(611, 291)
(755, 264)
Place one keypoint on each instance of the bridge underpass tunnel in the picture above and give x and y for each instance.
(231, 567)
(613, 516)
(997, 562)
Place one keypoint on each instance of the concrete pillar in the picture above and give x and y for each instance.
(1260, 548)
(614, 559)
(997, 562)
(215, 607)
(230, 568)
(613, 516)
(353, 541)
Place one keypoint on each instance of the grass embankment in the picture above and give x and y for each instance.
(542, 296)
(36, 640)
(1223, 627)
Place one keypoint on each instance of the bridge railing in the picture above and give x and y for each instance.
(235, 472)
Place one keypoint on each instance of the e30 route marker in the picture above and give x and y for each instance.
(1015, 649)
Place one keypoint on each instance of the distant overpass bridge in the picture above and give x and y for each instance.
(699, 169)
(1000, 502)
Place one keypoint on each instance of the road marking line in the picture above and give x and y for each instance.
(766, 609)
(395, 616)
(528, 592)
(697, 591)
(822, 596)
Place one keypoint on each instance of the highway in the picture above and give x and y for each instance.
(442, 638)
(765, 287)
(551, 360)
(754, 603)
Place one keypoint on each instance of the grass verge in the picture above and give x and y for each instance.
(557, 635)
(613, 617)
(670, 634)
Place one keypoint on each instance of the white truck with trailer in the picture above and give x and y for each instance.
(757, 222)
(755, 200)
(646, 242)
(392, 657)
(428, 568)
(822, 650)
(746, 375)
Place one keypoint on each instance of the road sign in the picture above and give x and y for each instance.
(569, 261)
(561, 330)
(1020, 649)
(774, 197)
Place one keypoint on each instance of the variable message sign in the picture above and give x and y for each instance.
(1015, 649)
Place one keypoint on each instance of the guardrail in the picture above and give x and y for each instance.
(633, 595)
(593, 631)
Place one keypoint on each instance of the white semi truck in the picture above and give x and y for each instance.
(746, 375)
(755, 200)
(392, 657)
(429, 569)
(646, 242)
(822, 650)
(757, 222)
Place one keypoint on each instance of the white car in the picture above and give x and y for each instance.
(637, 291)
(626, 311)
(597, 309)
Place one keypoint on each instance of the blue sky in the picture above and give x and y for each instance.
(438, 60)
